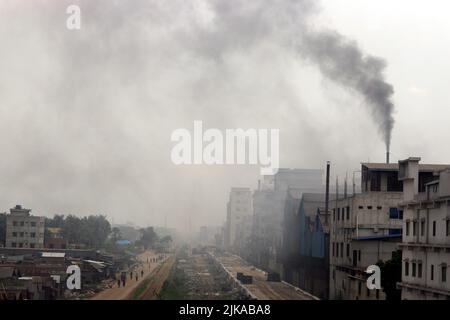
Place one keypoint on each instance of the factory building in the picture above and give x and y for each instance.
(305, 249)
(268, 204)
(367, 227)
(426, 233)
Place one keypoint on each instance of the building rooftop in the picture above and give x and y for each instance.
(53, 254)
(395, 166)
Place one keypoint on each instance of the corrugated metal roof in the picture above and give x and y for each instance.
(53, 254)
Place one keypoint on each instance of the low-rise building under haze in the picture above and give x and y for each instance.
(426, 233)
(366, 228)
(24, 230)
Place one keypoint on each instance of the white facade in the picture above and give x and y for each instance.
(24, 230)
(362, 233)
(239, 206)
(426, 235)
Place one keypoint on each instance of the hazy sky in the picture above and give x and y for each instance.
(86, 116)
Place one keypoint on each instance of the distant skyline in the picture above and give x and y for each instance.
(86, 115)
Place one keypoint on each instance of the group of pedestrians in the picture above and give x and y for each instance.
(122, 281)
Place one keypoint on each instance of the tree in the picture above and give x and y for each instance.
(56, 222)
(391, 274)
(92, 231)
(148, 237)
(166, 239)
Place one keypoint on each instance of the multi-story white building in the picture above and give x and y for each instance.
(24, 230)
(366, 229)
(238, 208)
(426, 234)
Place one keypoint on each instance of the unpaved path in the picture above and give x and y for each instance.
(122, 293)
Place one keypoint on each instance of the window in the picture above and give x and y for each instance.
(33, 224)
(21, 234)
(360, 207)
(32, 245)
(414, 269)
(342, 249)
(348, 213)
(359, 255)
(334, 214)
(14, 234)
(414, 227)
(400, 214)
(22, 223)
(348, 250)
(395, 231)
(337, 249)
(432, 273)
(15, 223)
(379, 207)
(422, 228)
(369, 207)
(434, 228)
(419, 270)
(393, 213)
(406, 268)
(407, 228)
(32, 234)
(20, 245)
(444, 273)
(339, 213)
(333, 250)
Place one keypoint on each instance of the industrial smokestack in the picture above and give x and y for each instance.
(387, 156)
(327, 191)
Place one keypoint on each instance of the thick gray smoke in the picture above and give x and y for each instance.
(343, 61)
(238, 25)
(87, 115)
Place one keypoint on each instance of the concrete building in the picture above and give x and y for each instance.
(366, 229)
(54, 239)
(305, 248)
(268, 204)
(426, 233)
(239, 207)
(24, 230)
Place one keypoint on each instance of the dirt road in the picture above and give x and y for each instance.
(122, 293)
(157, 280)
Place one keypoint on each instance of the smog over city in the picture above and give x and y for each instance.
(202, 135)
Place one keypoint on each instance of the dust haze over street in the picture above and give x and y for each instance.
(87, 115)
